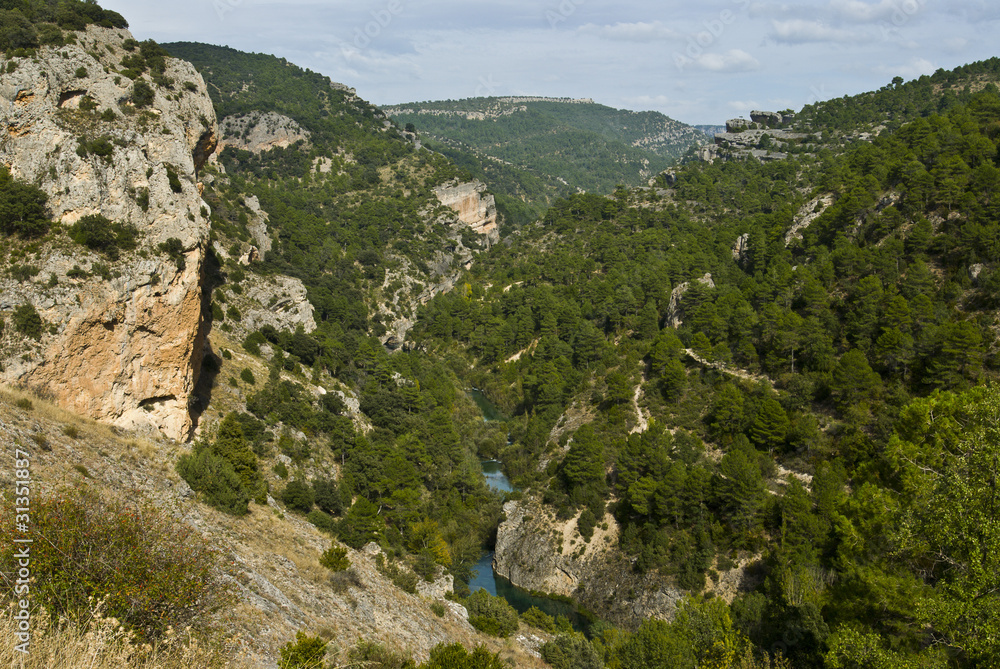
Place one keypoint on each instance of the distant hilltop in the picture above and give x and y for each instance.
(529, 98)
(487, 106)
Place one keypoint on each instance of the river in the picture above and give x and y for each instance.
(486, 579)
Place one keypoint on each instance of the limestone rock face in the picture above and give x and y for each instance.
(806, 215)
(475, 208)
(675, 308)
(281, 302)
(537, 552)
(260, 131)
(258, 225)
(767, 118)
(123, 344)
(741, 247)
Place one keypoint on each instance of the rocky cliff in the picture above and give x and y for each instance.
(475, 207)
(260, 131)
(123, 338)
(535, 551)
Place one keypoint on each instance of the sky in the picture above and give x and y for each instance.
(698, 62)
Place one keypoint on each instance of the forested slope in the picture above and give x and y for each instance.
(532, 150)
(847, 331)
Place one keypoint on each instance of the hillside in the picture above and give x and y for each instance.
(531, 150)
(742, 367)
(235, 303)
(397, 222)
(750, 409)
(269, 558)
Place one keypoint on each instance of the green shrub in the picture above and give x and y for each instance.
(174, 249)
(22, 207)
(142, 198)
(22, 273)
(87, 103)
(173, 179)
(438, 609)
(216, 479)
(50, 34)
(81, 72)
(101, 270)
(335, 558)
(131, 556)
(571, 651)
(280, 470)
(24, 403)
(76, 273)
(298, 451)
(16, 32)
(252, 343)
(101, 146)
(405, 580)
(306, 652)
(298, 496)
(586, 523)
(425, 566)
(99, 233)
(27, 321)
(142, 93)
(326, 493)
(492, 615)
(232, 445)
(538, 618)
(361, 524)
(376, 656)
(248, 376)
(455, 656)
(322, 520)
(233, 314)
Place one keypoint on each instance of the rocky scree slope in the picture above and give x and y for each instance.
(125, 343)
(271, 557)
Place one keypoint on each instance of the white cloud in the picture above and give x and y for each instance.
(915, 68)
(647, 100)
(742, 106)
(653, 31)
(858, 11)
(800, 31)
(734, 60)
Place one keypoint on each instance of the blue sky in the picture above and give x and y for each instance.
(698, 62)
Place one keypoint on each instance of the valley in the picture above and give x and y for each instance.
(266, 346)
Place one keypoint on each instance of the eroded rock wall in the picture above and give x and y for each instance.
(535, 551)
(475, 207)
(124, 337)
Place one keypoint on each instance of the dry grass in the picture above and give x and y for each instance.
(80, 427)
(104, 644)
